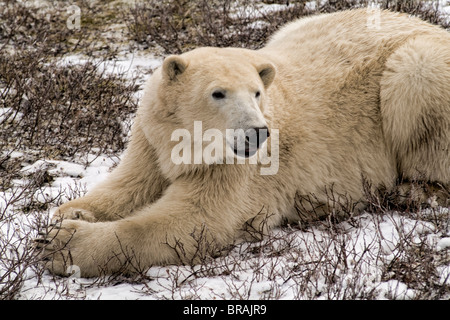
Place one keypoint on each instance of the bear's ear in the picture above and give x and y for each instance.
(173, 66)
(267, 73)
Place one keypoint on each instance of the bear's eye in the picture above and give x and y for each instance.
(218, 95)
(257, 94)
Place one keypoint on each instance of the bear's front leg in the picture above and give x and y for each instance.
(74, 210)
(136, 182)
(102, 248)
(178, 228)
(76, 243)
(127, 246)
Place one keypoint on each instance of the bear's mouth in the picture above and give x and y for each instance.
(247, 152)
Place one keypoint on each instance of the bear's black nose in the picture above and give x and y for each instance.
(257, 136)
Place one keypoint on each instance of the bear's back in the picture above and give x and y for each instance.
(358, 31)
(332, 45)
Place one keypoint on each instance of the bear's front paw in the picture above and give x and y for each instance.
(69, 244)
(70, 213)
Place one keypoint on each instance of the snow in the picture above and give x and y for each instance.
(127, 63)
(443, 244)
(395, 289)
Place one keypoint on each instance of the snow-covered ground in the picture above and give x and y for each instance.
(353, 259)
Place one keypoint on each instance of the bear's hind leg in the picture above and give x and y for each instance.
(415, 109)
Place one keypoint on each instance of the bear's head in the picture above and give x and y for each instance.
(212, 90)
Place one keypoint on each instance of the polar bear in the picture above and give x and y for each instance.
(341, 100)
